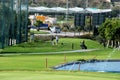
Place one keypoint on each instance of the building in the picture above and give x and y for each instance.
(45, 19)
(115, 2)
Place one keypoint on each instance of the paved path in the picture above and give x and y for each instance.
(62, 52)
(70, 34)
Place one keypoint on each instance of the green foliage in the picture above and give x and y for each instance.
(37, 23)
(65, 26)
(78, 28)
(99, 39)
(109, 30)
(117, 30)
(101, 29)
(29, 23)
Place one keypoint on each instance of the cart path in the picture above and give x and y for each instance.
(61, 52)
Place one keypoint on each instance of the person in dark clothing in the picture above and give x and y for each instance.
(82, 45)
(57, 39)
(52, 39)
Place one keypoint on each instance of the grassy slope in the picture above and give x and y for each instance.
(48, 47)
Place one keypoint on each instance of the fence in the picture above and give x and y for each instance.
(13, 22)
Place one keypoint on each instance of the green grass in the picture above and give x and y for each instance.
(46, 46)
(56, 75)
(1, 50)
(38, 32)
(33, 67)
(37, 62)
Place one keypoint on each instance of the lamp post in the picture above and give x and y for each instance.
(86, 3)
(67, 11)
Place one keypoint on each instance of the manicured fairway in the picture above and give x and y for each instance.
(38, 62)
(56, 75)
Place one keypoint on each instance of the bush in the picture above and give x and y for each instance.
(86, 36)
(42, 38)
(99, 39)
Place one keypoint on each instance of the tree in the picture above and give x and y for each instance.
(65, 27)
(110, 31)
(37, 24)
(117, 33)
(115, 11)
(78, 29)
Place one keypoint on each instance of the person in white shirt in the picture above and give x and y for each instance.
(57, 39)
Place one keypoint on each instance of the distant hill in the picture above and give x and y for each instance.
(72, 3)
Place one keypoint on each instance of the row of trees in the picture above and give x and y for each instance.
(110, 31)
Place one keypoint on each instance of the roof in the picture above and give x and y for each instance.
(70, 10)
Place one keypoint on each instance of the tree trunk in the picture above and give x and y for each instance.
(112, 43)
(118, 43)
(108, 43)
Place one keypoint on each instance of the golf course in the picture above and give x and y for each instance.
(34, 60)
